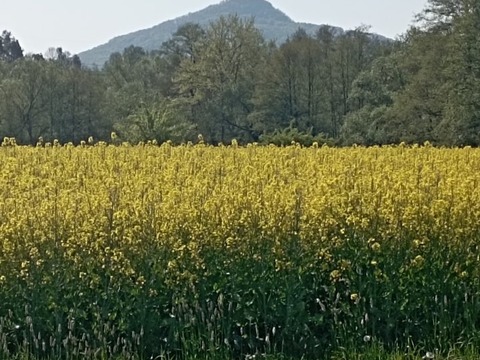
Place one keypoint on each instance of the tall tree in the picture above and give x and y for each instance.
(183, 44)
(330, 79)
(138, 86)
(218, 86)
(462, 114)
(441, 101)
(10, 49)
(24, 115)
(373, 93)
(289, 91)
(308, 81)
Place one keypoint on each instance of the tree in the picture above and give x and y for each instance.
(161, 122)
(308, 81)
(373, 93)
(54, 99)
(128, 77)
(73, 99)
(138, 85)
(24, 115)
(462, 114)
(355, 51)
(218, 86)
(10, 49)
(289, 91)
(330, 79)
(183, 44)
(441, 15)
(441, 99)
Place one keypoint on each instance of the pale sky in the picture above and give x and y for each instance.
(80, 25)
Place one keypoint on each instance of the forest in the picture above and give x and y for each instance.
(225, 82)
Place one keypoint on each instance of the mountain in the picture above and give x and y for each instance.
(274, 24)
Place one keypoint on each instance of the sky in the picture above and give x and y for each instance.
(80, 25)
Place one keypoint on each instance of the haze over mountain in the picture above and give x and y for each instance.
(273, 23)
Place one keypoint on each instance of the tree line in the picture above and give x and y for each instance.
(226, 82)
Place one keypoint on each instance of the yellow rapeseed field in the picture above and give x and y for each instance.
(124, 234)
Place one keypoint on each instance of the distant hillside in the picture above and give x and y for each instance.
(273, 23)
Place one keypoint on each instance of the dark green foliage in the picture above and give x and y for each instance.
(10, 49)
(432, 91)
(217, 82)
(307, 82)
(52, 99)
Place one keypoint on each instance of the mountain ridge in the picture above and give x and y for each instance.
(272, 22)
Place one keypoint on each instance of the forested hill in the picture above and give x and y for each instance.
(273, 24)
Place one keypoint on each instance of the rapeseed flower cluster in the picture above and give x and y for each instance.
(236, 241)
